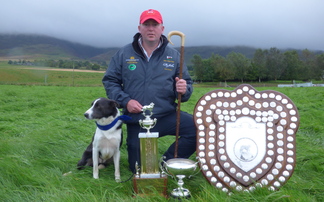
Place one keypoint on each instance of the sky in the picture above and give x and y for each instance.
(296, 24)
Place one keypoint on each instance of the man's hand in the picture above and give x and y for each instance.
(181, 85)
(134, 107)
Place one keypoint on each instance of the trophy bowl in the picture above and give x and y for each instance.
(180, 168)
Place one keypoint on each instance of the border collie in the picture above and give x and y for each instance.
(107, 139)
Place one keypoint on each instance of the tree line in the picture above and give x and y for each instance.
(66, 64)
(265, 65)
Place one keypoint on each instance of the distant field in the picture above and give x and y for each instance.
(28, 75)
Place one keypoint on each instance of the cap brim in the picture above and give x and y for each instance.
(148, 18)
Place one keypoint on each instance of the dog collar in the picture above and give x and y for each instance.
(107, 127)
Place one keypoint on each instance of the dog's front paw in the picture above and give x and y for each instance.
(117, 179)
(95, 176)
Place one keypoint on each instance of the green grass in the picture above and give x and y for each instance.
(19, 75)
(43, 134)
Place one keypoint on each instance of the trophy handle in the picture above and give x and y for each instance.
(154, 123)
(198, 170)
(161, 163)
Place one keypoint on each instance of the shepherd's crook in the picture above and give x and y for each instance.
(180, 77)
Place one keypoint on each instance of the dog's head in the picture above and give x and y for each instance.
(102, 108)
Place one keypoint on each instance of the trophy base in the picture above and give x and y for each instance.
(148, 186)
(180, 193)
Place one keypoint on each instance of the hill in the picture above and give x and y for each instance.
(206, 51)
(38, 46)
(22, 46)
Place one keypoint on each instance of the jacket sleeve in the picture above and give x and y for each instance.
(113, 82)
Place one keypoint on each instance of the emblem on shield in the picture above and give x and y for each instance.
(246, 138)
(245, 142)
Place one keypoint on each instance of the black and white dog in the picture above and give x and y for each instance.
(107, 139)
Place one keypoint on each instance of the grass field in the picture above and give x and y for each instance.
(24, 75)
(43, 134)
(30, 75)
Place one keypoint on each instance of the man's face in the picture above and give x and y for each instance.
(151, 31)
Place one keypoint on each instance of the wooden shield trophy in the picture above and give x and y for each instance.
(245, 138)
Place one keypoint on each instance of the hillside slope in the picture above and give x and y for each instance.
(21, 46)
(41, 46)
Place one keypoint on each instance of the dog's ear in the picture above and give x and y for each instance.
(114, 103)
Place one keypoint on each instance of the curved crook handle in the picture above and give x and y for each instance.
(182, 35)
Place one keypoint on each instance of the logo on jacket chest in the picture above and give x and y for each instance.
(168, 63)
(132, 61)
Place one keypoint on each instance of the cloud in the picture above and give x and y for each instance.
(104, 23)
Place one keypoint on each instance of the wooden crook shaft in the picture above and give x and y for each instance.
(180, 77)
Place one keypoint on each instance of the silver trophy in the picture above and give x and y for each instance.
(148, 142)
(147, 123)
(180, 168)
(148, 174)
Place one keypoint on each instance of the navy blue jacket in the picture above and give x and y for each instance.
(131, 76)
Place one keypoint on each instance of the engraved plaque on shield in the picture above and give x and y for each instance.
(246, 138)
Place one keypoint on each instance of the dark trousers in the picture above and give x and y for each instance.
(165, 126)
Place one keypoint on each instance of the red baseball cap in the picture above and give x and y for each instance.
(151, 14)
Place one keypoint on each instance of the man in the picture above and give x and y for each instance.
(147, 71)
